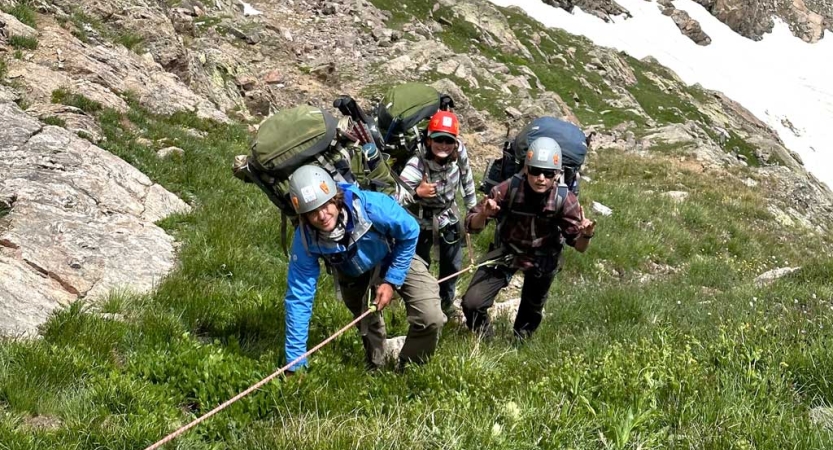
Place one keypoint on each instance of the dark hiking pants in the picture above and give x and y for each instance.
(451, 258)
(420, 294)
(484, 288)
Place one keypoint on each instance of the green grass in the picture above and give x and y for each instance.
(77, 22)
(129, 40)
(53, 120)
(65, 97)
(664, 106)
(23, 42)
(85, 26)
(656, 337)
(736, 144)
(683, 360)
(23, 11)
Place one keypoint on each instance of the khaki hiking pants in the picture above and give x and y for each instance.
(421, 296)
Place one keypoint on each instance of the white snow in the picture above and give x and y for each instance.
(249, 10)
(780, 79)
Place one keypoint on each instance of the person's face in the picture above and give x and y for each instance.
(324, 218)
(540, 180)
(443, 146)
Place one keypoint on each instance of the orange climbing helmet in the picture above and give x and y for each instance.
(444, 123)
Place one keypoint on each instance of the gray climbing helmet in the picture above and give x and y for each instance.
(310, 187)
(544, 153)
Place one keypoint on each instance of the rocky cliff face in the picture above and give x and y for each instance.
(750, 18)
(75, 221)
(754, 18)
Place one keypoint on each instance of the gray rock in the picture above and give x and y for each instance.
(75, 120)
(447, 67)
(601, 209)
(507, 309)
(688, 26)
(103, 74)
(170, 151)
(774, 274)
(753, 19)
(513, 112)
(77, 223)
(13, 27)
(249, 37)
(676, 196)
(392, 348)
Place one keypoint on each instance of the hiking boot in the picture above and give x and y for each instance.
(485, 333)
(522, 335)
(401, 366)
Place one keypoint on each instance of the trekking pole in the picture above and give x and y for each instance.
(471, 250)
(259, 384)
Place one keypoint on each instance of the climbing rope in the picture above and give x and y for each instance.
(260, 383)
(504, 259)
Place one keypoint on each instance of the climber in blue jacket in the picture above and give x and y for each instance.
(369, 240)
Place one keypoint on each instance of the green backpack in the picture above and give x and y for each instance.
(304, 135)
(402, 116)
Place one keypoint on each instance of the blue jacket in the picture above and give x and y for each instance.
(380, 232)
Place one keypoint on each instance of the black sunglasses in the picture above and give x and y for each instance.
(535, 171)
(444, 140)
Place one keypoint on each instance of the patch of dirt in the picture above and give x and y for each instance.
(43, 423)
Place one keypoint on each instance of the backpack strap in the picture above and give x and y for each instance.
(506, 205)
(283, 235)
(563, 190)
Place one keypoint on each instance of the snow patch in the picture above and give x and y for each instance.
(249, 10)
(782, 80)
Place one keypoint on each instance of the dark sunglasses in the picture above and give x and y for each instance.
(535, 171)
(444, 140)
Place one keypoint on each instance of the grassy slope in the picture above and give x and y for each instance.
(698, 358)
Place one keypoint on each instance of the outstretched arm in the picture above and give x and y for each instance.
(300, 295)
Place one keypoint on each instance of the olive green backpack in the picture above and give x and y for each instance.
(403, 114)
(304, 135)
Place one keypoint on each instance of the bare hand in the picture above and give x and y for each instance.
(587, 227)
(384, 294)
(426, 189)
(490, 208)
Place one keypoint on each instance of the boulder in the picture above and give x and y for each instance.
(77, 223)
(774, 274)
(688, 26)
